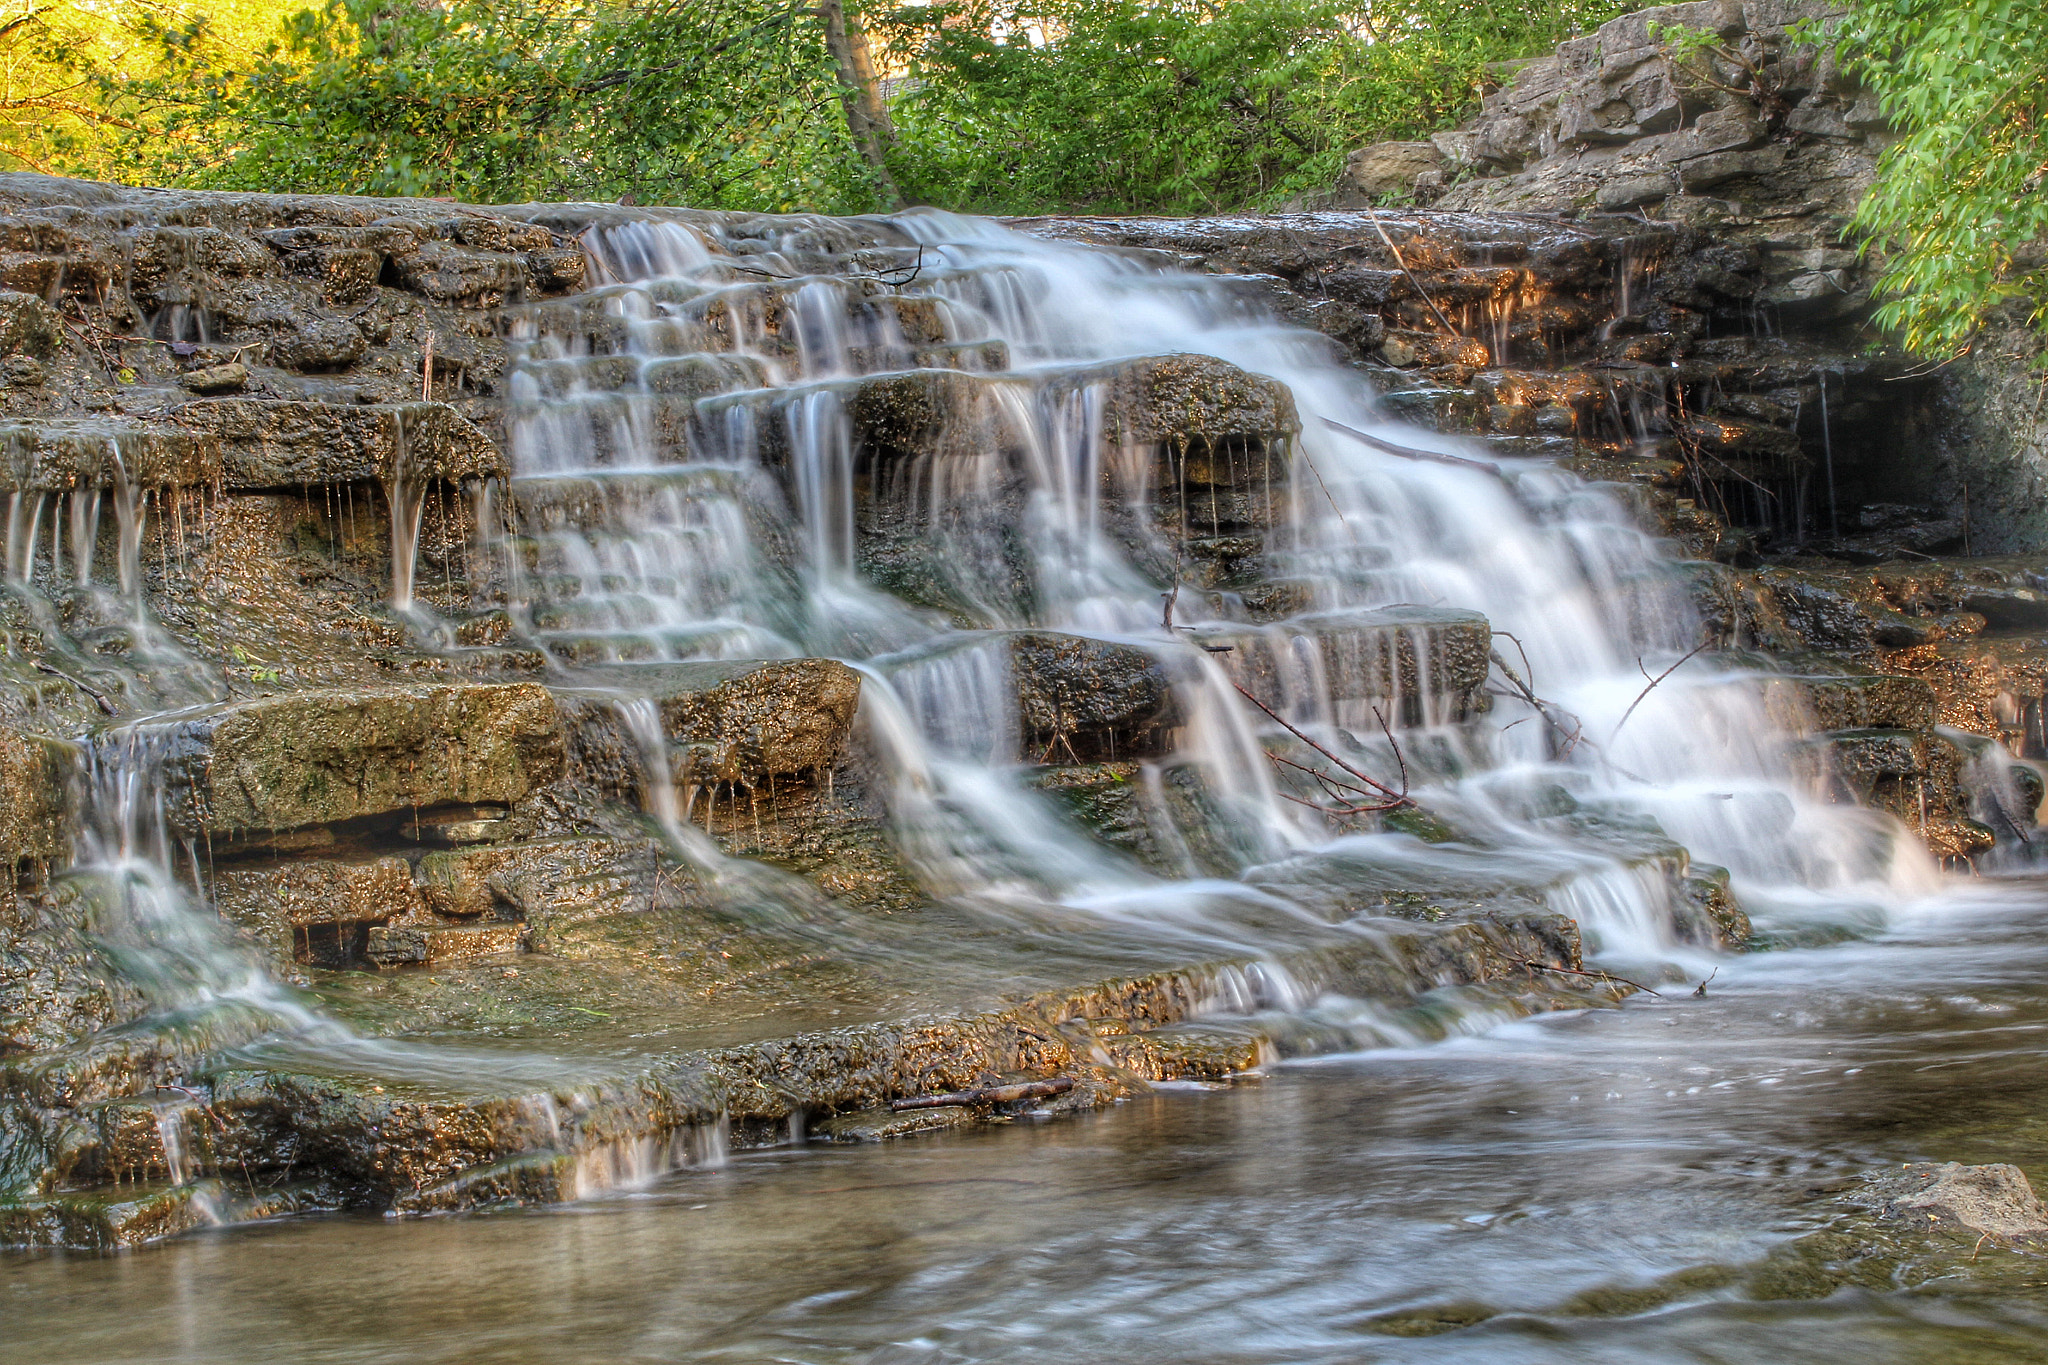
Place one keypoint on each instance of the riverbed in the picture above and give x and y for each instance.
(1659, 1182)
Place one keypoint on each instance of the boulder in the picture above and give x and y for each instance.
(1992, 1201)
(1081, 700)
(1190, 398)
(1389, 168)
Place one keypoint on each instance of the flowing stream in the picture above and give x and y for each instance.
(1641, 1184)
(656, 538)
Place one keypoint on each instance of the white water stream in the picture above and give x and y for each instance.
(680, 561)
(690, 487)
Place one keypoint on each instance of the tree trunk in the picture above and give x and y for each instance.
(860, 93)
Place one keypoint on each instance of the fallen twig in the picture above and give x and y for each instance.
(1700, 992)
(1410, 453)
(1574, 971)
(1394, 799)
(1652, 687)
(1376, 227)
(986, 1094)
(87, 688)
(1569, 736)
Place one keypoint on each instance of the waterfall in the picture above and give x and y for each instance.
(1008, 520)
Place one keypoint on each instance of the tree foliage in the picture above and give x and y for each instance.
(61, 59)
(717, 103)
(1001, 105)
(1959, 212)
(1185, 106)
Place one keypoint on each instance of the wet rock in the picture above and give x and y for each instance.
(215, 379)
(59, 454)
(1190, 397)
(427, 945)
(273, 444)
(345, 275)
(107, 1221)
(1083, 701)
(452, 274)
(725, 722)
(1993, 1201)
(28, 325)
(1857, 701)
(906, 414)
(37, 797)
(317, 344)
(881, 1124)
(1412, 666)
(1190, 1052)
(274, 902)
(461, 825)
(1915, 775)
(535, 879)
(1711, 915)
(1163, 815)
(318, 757)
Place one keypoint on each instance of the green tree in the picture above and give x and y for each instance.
(59, 59)
(1184, 106)
(715, 103)
(1959, 212)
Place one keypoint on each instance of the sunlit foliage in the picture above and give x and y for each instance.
(1181, 106)
(1959, 214)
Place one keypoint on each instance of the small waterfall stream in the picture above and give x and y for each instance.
(678, 544)
(1071, 517)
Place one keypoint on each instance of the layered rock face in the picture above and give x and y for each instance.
(450, 609)
(422, 603)
(1684, 316)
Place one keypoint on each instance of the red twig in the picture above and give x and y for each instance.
(1394, 799)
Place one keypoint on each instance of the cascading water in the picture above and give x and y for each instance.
(1013, 490)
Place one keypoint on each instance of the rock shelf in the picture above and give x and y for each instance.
(558, 885)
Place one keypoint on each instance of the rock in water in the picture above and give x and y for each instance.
(1989, 1201)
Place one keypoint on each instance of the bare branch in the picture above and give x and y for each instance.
(1652, 687)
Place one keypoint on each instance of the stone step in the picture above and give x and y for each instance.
(397, 1141)
(55, 455)
(740, 721)
(291, 444)
(423, 945)
(321, 756)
